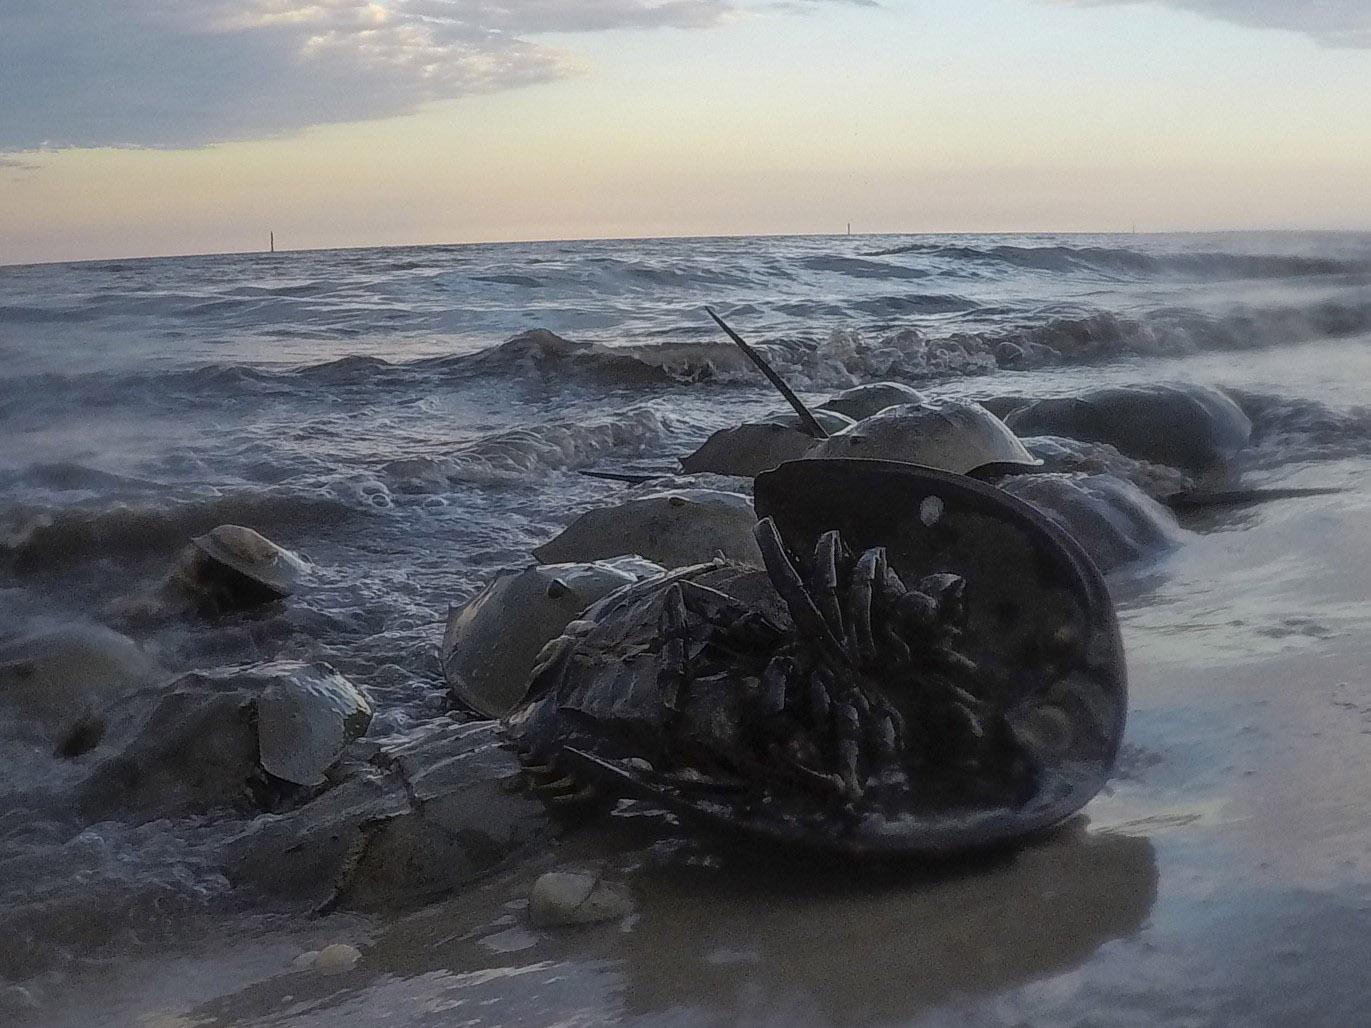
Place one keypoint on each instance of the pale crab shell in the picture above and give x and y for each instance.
(671, 528)
(492, 643)
(947, 435)
(252, 555)
(306, 716)
(871, 398)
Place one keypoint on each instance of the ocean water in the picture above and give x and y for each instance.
(414, 419)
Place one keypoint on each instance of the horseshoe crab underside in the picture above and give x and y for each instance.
(925, 666)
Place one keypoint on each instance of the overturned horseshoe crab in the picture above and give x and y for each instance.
(926, 666)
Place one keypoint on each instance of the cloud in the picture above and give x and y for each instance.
(1337, 23)
(184, 73)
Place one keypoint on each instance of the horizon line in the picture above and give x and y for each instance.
(278, 251)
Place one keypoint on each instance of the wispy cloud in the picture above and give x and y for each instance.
(1338, 23)
(180, 73)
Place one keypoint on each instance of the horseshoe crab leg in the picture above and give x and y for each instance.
(787, 582)
(860, 640)
(825, 583)
(675, 629)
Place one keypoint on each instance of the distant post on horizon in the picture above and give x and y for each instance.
(273, 241)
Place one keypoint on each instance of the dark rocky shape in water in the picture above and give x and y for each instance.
(1193, 427)
(672, 528)
(246, 738)
(58, 684)
(492, 643)
(865, 400)
(1113, 520)
(418, 820)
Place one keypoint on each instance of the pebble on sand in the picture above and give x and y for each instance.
(334, 959)
(576, 897)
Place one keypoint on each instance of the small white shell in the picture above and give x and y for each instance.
(305, 718)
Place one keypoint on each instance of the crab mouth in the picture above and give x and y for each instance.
(865, 701)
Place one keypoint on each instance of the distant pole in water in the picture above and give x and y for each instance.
(849, 228)
(273, 241)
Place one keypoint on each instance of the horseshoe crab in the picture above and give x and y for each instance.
(926, 665)
(253, 736)
(233, 568)
(756, 446)
(492, 643)
(871, 398)
(950, 435)
(1188, 426)
(672, 528)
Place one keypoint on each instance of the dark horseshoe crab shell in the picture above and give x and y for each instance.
(1044, 628)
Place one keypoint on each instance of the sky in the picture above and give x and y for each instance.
(194, 126)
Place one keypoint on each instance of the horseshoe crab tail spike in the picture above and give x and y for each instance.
(807, 419)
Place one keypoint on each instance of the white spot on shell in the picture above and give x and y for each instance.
(931, 510)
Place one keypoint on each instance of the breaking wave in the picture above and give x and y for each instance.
(527, 453)
(1118, 261)
(33, 537)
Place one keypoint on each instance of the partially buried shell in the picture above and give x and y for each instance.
(949, 435)
(305, 719)
(232, 568)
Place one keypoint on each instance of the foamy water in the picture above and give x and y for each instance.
(374, 410)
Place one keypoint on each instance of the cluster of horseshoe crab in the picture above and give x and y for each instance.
(886, 650)
(884, 656)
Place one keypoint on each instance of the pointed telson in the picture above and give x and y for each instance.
(811, 426)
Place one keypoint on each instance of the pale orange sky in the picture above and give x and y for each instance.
(984, 115)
